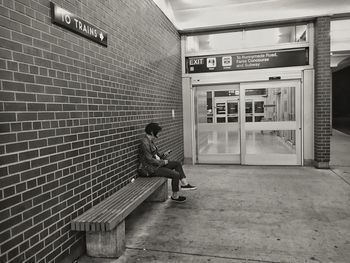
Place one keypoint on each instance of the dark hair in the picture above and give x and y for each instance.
(153, 129)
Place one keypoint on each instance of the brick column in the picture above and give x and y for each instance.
(323, 92)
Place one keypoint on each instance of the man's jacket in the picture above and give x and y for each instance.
(148, 154)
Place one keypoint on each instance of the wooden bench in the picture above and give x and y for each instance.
(105, 223)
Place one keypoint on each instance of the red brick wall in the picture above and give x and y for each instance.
(72, 112)
(323, 92)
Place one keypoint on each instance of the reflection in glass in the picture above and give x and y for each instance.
(218, 141)
(270, 142)
(226, 93)
(203, 114)
(221, 119)
(248, 107)
(232, 119)
(300, 33)
(340, 35)
(232, 107)
(232, 111)
(219, 41)
(269, 36)
(259, 107)
(209, 102)
(258, 118)
(220, 108)
(214, 110)
(249, 111)
(272, 104)
(247, 38)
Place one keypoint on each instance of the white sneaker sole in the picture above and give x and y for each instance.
(188, 189)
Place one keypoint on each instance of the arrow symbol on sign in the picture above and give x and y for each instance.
(101, 36)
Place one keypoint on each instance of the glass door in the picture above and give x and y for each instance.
(217, 124)
(271, 123)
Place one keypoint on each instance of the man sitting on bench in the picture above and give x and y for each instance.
(152, 163)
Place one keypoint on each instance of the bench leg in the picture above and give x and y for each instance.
(109, 244)
(161, 194)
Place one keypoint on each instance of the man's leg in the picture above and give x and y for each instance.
(177, 166)
(171, 174)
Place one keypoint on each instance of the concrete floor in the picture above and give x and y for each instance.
(340, 149)
(246, 214)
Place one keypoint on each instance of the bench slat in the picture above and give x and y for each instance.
(111, 211)
(127, 210)
(130, 203)
(117, 205)
(91, 222)
(85, 220)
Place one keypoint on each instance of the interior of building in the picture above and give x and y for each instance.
(256, 87)
(219, 124)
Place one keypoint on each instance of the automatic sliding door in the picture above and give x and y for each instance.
(217, 124)
(271, 131)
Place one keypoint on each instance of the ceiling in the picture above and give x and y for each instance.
(198, 15)
(195, 14)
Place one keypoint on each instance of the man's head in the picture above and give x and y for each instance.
(153, 129)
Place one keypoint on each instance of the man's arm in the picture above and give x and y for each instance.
(146, 151)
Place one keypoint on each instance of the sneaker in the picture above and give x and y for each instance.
(180, 199)
(188, 187)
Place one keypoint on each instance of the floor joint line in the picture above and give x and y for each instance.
(204, 255)
(341, 177)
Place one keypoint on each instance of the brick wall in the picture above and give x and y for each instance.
(323, 92)
(72, 112)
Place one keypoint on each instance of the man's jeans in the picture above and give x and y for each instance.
(173, 170)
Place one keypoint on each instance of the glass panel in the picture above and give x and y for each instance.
(232, 107)
(221, 41)
(258, 118)
(248, 107)
(209, 103)
(340, 35)
(252, 92)
(272, 104)
(226, 93)
(218, 141)
(301, 33)
(232, 119)
(258, 106)
(217, 131)
(246, 38)
(232, 111)
(249, 111)
(202, 109)
(269, 142)
(220, 108)
(269, 36)
(221, 119)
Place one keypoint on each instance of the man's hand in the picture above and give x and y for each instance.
(167, 153)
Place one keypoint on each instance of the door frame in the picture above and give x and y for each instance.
(297, 125)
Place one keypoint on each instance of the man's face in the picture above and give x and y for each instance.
(158, 134)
